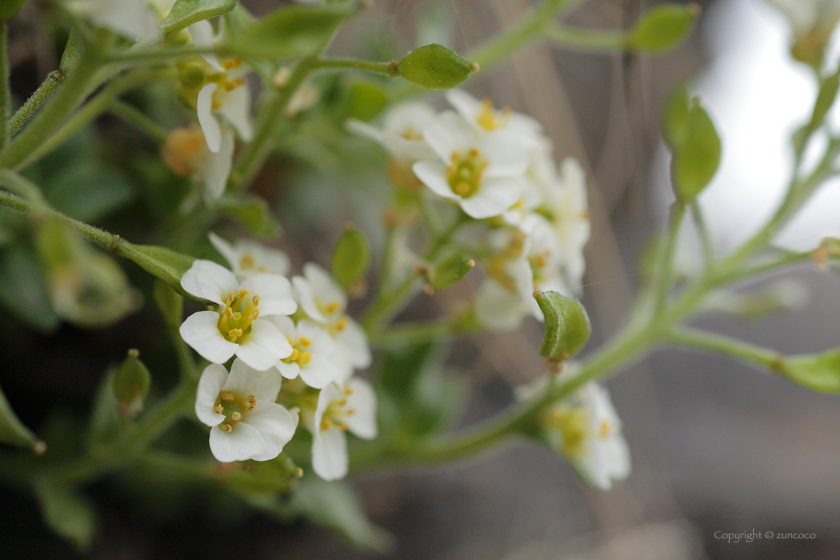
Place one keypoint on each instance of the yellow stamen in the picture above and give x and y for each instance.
(305, 341)
(304, 358)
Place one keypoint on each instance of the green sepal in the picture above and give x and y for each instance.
(567, 326)
(170, 303)
(335, 505)
(12, 430)
(162, 263)
(67, 512)
(8, 8)
(350, 258)
(435, 67)
(187, 12)
(253, 213)
(820, 372)
(131, 383)
(450, 270)
(697, 157)
(292, 30)
(662, 28)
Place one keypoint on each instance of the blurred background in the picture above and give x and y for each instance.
(717, 446)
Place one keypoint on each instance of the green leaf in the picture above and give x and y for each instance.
(12, 430)
(292, 31)
(663, 28)
(162, 263)
(67, 512)
(253, 213)
(450, 270)
(435, 67)
(335, 505)
(350, 258)
(24, 289)
(88, 190)
(567, 326)
(820, 372)
(696, 161)
(188, 12)
(676, 117)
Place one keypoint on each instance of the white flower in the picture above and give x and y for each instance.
(587, 430)
(807, 15)
(223, 93)
(312, 352)
(352, 408)
(402, 132)
(186, 153)
(325, 303)
(234, 328)
(483, 173)
(130, 18)
(239, 407)
(249, 258)
(484, 118)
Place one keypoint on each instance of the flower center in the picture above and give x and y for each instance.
(497, 266)
(182, 150)
(464, 173)
(299, 353)
(574, 425)
(234, 408)
(338, 325)
(239, 312)
(489, 119)
(410, 133)
(336, 413)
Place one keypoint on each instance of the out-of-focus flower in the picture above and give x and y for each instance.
(483, 173)
(485, 118)
(312, 352)
(353, 409)
(186, 153)
(134, 19)
(249, 258)
(813, 22)
(323, 301)
(234, 328)
(239, 407)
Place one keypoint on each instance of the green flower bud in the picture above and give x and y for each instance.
(350, 258)
(450, 270)
(435, 67)
(567, 326)
(697, 154)
(131, 384)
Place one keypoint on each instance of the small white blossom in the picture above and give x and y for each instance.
(353, 409)
(134, 19)
(323, 300)
(234, 328)
(239, 407)
(483, 173)
(312, 355)
(249, 258)
(402, 132)
(186, 153)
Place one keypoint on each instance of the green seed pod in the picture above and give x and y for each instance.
(131, 384)
(350, 258)
(451, 270)
(567, 326)
(435, 67)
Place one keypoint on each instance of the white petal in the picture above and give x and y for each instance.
(276, 425)
(209, 125)
(433, 175)
(208, 280)
(448, 133)
(618, 457)
(306, 299)
(264, 385)
(212, 379)
(225, 249)
(319, 372)
(201, 332)
(275, 294)
(324, 288)
(285, 324)
(353, 343)
(362, 400)
(322, 342)
(466, 105)
(494, 196)
(242, 443)
(215, 170)
(289, 371)
(329, 454)
(498, 309)
(264, 346)
(505, 156)
(236, 110)
(202, 36)
(327, 395)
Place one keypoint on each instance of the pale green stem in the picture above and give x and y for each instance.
(703, 233)
(27, 189)
(138, 119)
(585, 39)
(723, 345)
(662, 282)
(5, 92)
(387, 68)
(413, 333)
(35, 101)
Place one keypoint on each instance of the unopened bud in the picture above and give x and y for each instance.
(131, 384)
(435, 67)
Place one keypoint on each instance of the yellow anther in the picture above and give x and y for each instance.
(341, 323)
(236, 416)
(291, 340)
(229, 313)
(342, 402)
(605, 429)
(219, 408)
(215, 105)
(256, 300)
(227, 396)
(295, 355)
(410, 133)
(305, 341)
(474, 153)
(304, 358)
(350, 411)
(348, 390)
(231, 297)
(332, 307)
(233, 334)
(326, 424)
(231, 63)
(246, 261)
(227, 428)
(252, 402)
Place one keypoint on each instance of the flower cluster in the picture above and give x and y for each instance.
(497, 167)
(276, 329)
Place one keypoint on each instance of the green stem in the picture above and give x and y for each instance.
(724, 345)
(27, 189)
(5, 92)
(703, 232)
(662, 283)
(138, 119)
(585, 39)
(387, 68)
(413, 333)
(35, 101)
